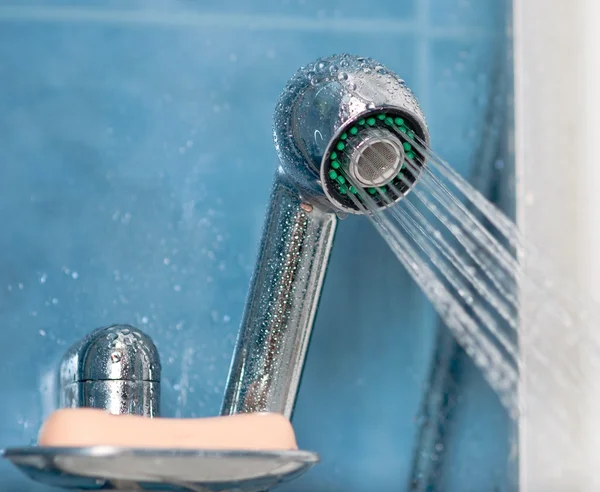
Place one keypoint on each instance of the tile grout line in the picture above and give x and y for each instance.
(423, 53)
(255, 22)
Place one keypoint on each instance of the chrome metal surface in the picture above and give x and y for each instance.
(117, 397)
(116, 368)
(377, 159)
(280, 311)
(324, 98)
(109, 468)
(318, 103)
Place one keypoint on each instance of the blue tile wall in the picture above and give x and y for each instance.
(135, 164)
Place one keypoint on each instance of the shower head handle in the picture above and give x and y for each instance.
(340, 114)
(282, 303)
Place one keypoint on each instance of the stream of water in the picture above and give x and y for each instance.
(491, 288)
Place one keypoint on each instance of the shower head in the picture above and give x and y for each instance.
(349, 115)
(350, 137)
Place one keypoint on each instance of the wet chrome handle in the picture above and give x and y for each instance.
(282, 303)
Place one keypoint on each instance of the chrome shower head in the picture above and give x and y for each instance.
(345, 128)
(349, 115)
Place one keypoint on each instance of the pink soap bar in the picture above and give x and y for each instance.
(83, 427)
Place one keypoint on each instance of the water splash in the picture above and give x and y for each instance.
(498, 296)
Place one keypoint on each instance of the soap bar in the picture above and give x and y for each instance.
(83, 427)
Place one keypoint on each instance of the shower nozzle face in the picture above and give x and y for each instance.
(344, 122)
(376, 159)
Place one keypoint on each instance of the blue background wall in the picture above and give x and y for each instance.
(135, 164)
